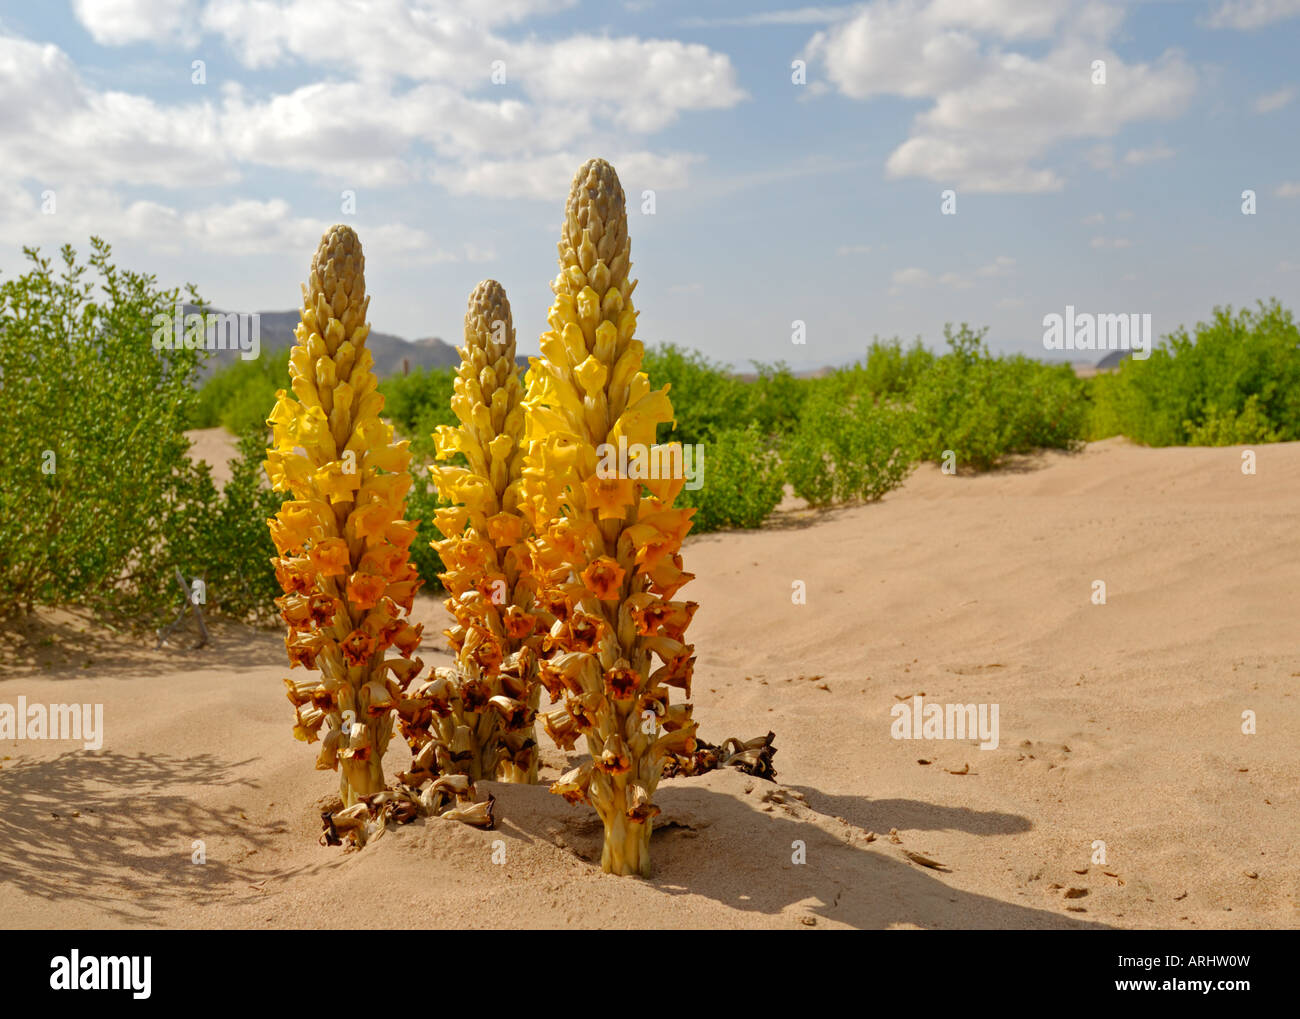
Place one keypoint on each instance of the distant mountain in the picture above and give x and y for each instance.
(392, 354)
(1112, 360)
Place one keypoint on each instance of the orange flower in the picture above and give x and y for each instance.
(621, 681)
(303, 648)
(371, 520)
(407, 639)
(651, 544)
(401, 533)
(403, 593)
(604, 578)
(295, 575)
(519, 624)
(667, 576)
(365, 590)
(283, 539)
(322, 608)
(330, 557)
(384, 560)
(676, 672)
(610, 497)
(505, 529)
(357, 647)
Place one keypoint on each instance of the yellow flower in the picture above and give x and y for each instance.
(597, 540)
(329, 449)
(488, 566)
(330, 557)
(604, 578)
(610, 497)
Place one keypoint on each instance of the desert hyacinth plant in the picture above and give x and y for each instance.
(479, 715)
(342, 539)
(606, 546)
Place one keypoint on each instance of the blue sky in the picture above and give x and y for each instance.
(819, 202)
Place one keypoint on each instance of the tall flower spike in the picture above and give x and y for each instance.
(606, 546)
(480, 714)
(342, 539)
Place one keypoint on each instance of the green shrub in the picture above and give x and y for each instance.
(1236, 379)
(774, 400)
(422, 500)
(236, 552)
(416, 404)
(1231, 427)
(742, 481)
(99, 502)
(707, 398)
(983, 407)
(847, 448)
(890, 371)
(239, 396)
(1103, 414)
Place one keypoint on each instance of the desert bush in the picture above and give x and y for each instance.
(889, 370)
(416, 404)
(983, 407)
(706, 397)
(98, 501)
(742, 481)
(774, 400)
(236, 550)
(1235, 379)
(847, 447)
(236, 396)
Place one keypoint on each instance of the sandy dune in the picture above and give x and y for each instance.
(1118, 722)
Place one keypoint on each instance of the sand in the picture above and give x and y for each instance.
(216, 447)
(1119, 722)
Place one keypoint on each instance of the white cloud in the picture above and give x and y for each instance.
(1246, 15)
(916, 277)
(792, 16)
(913, 276)
(1289, 189)
(54, 128)
(548, 176)
(1152, 154)
(1274, 101)
(889, 50)
(422, 74)
(236, 228)
(1111, 242)
(119, 22)
(1009, 19)
(996, 113)
(644, 84)
(1094, 219)
(1003, 265)
(853, 249)
(408, 98)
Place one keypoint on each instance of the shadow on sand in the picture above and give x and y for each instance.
(116, 833)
